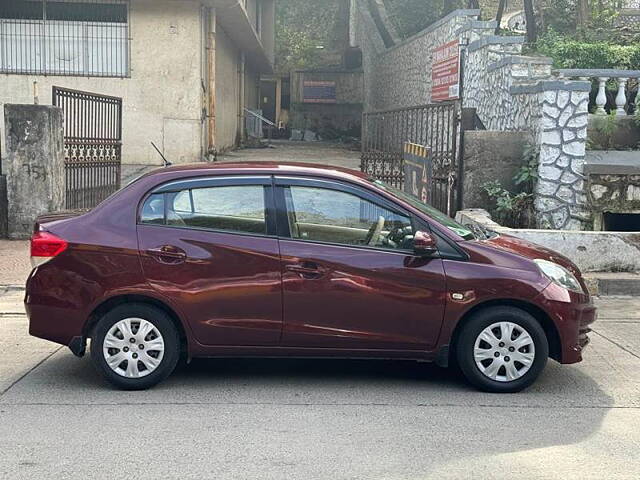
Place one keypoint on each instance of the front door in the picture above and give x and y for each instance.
(350, 279)
(209, 246)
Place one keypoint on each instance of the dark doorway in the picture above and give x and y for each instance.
(268, 99)
(621, 222)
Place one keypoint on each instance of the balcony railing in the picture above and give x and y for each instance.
(622, 78)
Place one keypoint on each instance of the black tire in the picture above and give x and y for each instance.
(160, 321)
(476, 325)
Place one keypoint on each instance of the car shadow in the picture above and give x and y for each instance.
(308, 370)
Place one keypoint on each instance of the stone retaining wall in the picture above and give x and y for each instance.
(590, 251)
(509, 92)
(400, 76)
(493, 67)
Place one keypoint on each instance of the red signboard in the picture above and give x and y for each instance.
(445, 76)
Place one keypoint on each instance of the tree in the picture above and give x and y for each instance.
(501, 7)
(303, 30)
(413, 16)
(584, 13)
(530, 18)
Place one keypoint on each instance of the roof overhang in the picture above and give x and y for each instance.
(233, 17)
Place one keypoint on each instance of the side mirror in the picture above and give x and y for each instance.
(424, 244)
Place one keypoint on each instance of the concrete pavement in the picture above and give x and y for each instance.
(14, 262)
(321, 153)
(277, 419)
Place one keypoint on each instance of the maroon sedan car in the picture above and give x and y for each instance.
(294, 260)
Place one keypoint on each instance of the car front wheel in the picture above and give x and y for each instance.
(135, 346)
(502, 350)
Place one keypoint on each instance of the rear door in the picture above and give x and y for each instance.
(209, 245)
(350, 278)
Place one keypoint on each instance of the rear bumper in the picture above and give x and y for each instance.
(55, 309)
(572, 314)
(59, 325)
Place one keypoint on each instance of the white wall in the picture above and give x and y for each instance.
(162, 99)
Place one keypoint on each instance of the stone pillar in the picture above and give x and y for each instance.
(33, 164)
(561, 200)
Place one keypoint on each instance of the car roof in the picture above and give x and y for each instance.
(270, 168)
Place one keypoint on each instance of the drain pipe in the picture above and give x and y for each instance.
(241, 95)
(211, 81)
(464, 43)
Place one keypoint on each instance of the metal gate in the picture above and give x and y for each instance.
(93, 145)
(436, 126)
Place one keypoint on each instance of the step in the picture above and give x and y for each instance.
(613, 284)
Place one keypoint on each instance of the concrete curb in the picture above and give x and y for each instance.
(613, 285)
(11, 288)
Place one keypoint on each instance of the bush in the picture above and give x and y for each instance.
(567, 52)
(516, 210)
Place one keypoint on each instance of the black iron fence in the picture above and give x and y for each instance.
(434, 126)
(93, 145)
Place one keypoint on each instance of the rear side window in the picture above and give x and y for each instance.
(153, 210)
(228, 208)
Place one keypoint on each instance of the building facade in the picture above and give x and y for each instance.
(185, 69)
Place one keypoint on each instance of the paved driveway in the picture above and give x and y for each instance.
(285, 419)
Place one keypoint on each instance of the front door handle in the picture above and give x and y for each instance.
(168, 254)
(306, 270)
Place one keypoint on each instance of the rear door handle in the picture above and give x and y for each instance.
(168, 254)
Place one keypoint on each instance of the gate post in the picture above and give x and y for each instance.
(33, 164)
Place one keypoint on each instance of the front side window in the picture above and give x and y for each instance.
(322, 215)
(227, 208)
(428, 210)
(65, 37)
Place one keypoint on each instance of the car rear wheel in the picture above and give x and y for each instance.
(135, 346)
(502, 350)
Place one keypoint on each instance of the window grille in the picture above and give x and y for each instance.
(65, 37)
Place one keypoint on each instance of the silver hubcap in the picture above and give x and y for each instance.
(504, 351)
(133, 348)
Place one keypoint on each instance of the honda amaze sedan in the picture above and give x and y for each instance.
(293, 260)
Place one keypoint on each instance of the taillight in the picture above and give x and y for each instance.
(45, 246)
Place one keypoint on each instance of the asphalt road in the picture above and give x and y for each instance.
(285, 419)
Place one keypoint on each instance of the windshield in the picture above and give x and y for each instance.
(428, 210)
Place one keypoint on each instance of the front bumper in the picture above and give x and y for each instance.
(572, 314)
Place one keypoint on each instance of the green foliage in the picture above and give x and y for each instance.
(560, 15)
(569, 52)
(563, 16)
(301, 27)
(590, 41)
(604, 129)
(516, 210)
(527, 176)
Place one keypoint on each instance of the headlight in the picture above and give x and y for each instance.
(559, 275)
